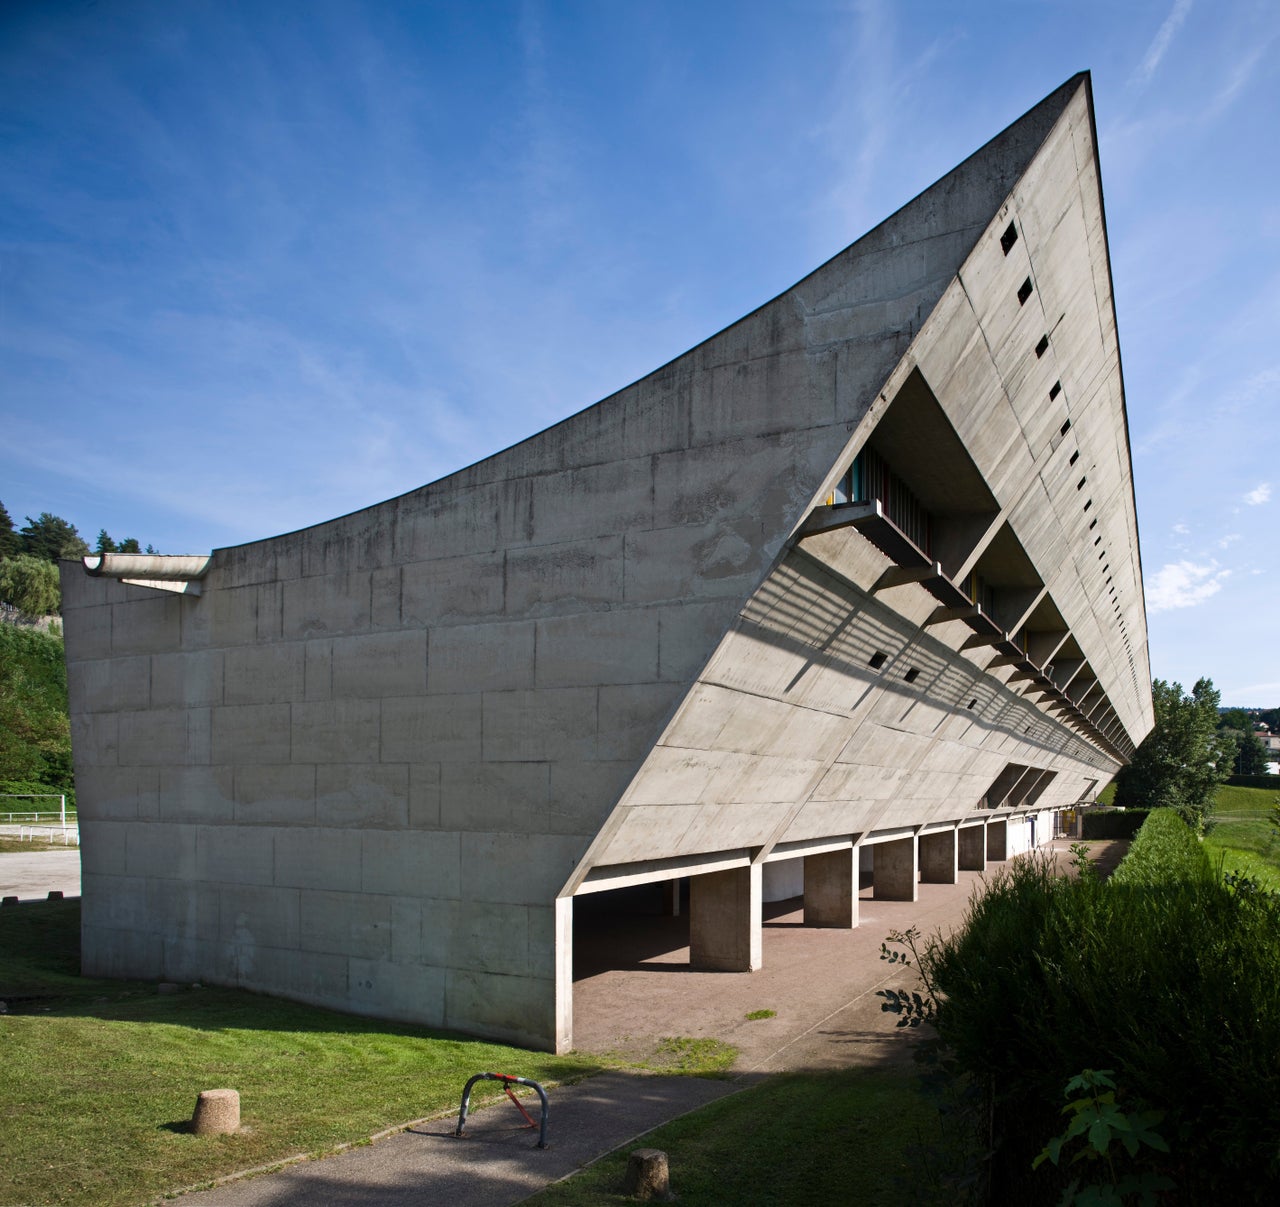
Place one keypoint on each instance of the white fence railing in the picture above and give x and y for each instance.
(36, 814)
(65, 834)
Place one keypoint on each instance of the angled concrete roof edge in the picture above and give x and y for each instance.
(1037, 122)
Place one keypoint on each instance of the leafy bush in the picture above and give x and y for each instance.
(35, 733)
(1164, 974)
(1111, 823)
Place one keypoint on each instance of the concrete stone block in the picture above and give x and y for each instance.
(162, 849)
(360, 541)
(592, 500)
(688, 635)
(117, 793)
(327, 605)
(431, 729)
(742, 399)
(552, 724)
(102, 846)
(566, 577)
(377, 665)
(411, 863)
(335, 731)
(277, 795)
(195, 794)
(693, 560)
(490, 938)
(188, 914)
(424, 796)
(110, 685)
(518, 869)
(349, 924)
(95, 739)
(234, 854)
(318, 859)
(508, 797)
(598, 648)
(320, 978)
(362, 794)
(517, 1009)
(106, 951)
(89, 636)
(487, 657)
(262, 674)
(187, 680)
(384, 598)
(318, 672)
(631, 718)
(265, 916)
(146, 626)
(582, 795)
(453, 590)
(165, 737)
(386, 989)
(251, 733)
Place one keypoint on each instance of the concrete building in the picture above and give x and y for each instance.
(852, 588)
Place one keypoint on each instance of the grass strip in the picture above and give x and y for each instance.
(1242, 839)
(799, 1139)
(100, 1077)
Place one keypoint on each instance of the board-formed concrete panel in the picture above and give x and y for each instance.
(370, 764)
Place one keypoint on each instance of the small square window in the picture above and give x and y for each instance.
(1024, 292)
(1042, 347)
(877, 660)
(1009, 238)
(912, 675)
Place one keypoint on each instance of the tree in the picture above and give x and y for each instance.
(51, 537)
(30, 584)
(1251, 755)
(1235, 718)
(9, 542)
(1183, 759)
(105, 543)
(129, 545)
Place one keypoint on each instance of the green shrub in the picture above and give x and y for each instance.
(1111, 823)
(1163, 974)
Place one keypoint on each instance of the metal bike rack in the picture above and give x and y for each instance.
(507, 1082)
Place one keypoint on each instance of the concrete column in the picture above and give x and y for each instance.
(671, 898)
(938, 859)
(972, 844)
(998, 839)
(724, 920)
(831, 889)
(897, 870)
(564, 975)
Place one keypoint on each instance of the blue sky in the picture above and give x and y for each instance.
(265, 263)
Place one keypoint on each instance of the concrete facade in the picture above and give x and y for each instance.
(372, 763)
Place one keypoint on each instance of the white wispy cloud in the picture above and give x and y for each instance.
(1160, 43)
(1182, 529)
(1184, 585)
(1259, 494)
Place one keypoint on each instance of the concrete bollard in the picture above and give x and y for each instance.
(648, 1177)
(217, 1113)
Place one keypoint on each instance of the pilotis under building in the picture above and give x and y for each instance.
(850, 589)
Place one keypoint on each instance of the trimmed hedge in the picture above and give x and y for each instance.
(1112, 823)
(1254, 781)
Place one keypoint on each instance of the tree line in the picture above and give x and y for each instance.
(29, 559)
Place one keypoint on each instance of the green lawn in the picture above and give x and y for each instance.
(100, 1077)
(798, 1139)
(1242, 837)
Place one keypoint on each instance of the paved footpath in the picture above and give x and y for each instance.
(30, 875)
(496, 1163)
